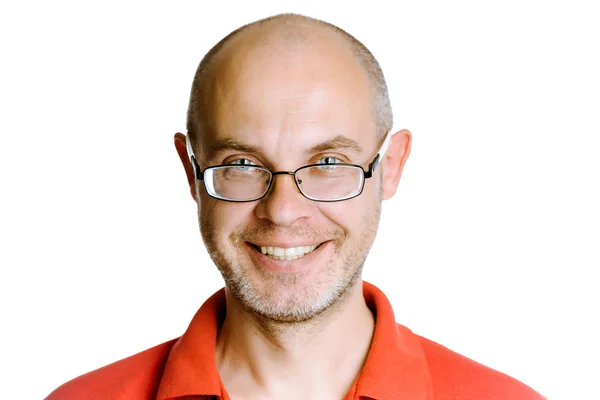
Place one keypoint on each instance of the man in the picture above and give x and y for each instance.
(289, 154)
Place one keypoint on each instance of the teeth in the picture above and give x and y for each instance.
(291, 253)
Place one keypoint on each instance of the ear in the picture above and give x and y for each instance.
(180, 146)
(394, 160)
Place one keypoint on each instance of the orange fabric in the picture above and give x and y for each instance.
(400, 365)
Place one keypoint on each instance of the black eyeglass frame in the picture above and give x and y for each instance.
(199, 174)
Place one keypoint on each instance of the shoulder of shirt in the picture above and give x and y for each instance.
(454, 376)
(134, 377)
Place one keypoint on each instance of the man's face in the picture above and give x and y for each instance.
(283, 102)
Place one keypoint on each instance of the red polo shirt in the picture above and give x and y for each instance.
(400, 365)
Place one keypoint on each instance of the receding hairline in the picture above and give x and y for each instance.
(290, 29)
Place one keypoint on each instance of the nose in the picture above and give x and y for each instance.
(284, 204)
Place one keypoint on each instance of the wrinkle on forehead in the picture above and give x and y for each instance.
(263, 87)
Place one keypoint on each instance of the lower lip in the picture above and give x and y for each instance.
(286, 266)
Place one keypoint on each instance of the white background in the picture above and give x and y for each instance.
(490, 247)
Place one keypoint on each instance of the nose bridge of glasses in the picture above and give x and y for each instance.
(290, 173)
(284, 173)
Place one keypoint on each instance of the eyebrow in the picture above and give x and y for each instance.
(230, 143)
(338, 142)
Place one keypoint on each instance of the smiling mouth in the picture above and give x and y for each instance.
(288, 254)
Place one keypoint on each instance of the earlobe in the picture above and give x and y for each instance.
(180, 146)
(395, 158)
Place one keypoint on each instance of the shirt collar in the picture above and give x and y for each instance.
(191, 367)
(395, 367)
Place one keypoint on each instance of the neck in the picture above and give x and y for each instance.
(307, 360)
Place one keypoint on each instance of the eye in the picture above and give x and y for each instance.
(328, 161)
(242, 161)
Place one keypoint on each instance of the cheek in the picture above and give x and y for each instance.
(350, 215)
(221, 218)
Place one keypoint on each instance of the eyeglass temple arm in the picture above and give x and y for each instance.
(380, 155)
(199, 174)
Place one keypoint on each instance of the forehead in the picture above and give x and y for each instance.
(273, 93)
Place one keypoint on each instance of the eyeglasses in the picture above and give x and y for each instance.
(319, 182)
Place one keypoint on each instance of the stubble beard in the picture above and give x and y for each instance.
(284, 298)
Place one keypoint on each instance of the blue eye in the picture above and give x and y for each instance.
(242, 161)
(328, 161)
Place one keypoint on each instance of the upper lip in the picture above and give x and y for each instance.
(286, 245)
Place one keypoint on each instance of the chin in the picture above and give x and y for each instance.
(288, 298)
